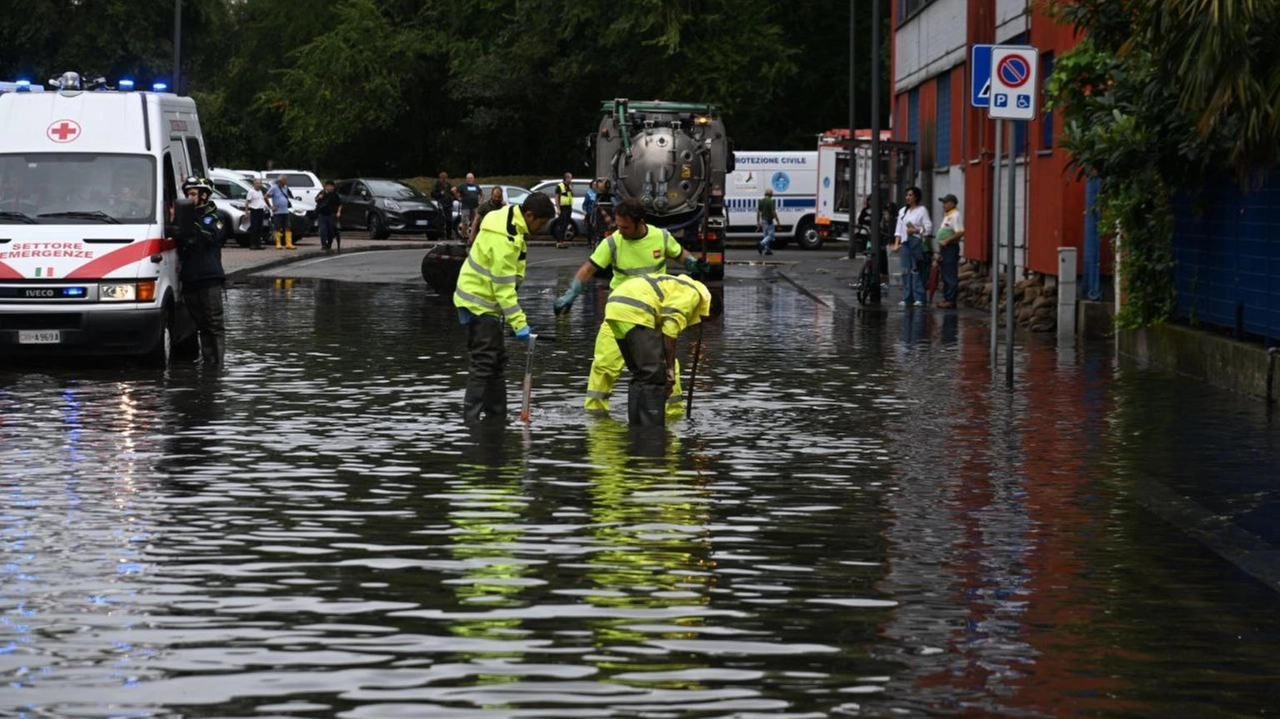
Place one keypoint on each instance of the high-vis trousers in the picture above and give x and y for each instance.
(607, 366)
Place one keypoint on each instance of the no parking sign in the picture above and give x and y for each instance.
(1014, 82)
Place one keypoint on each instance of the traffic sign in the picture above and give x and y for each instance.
(1014, 77)
(980, 75)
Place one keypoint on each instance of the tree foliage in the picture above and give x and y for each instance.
(403, 87)
(1149, 112)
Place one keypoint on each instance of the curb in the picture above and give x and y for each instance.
(241, 273)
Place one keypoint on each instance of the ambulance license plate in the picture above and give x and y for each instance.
(39, 337)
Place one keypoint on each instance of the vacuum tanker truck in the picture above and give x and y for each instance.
(673, 157)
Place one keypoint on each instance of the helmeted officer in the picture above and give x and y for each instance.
(201, 273)
(487, 303)
(634, 250)
(645, 315)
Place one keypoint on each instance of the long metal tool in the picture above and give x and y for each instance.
(693, 373)
(526, 400)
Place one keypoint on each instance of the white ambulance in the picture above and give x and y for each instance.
(793, 177)
(88, 178)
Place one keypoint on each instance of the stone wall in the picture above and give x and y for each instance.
(1036, 305)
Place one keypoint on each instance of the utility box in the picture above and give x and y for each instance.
(1067, 289)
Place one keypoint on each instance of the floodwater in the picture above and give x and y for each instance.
(854, 523)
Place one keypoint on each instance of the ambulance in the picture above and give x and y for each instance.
(89, 181)
(793, 177)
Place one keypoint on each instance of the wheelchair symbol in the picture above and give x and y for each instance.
(1024, 102)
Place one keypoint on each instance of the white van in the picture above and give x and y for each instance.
(87, 182)
(793, 175)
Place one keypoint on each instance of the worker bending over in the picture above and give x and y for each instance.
(645, 315)
(487, 303)
(634, 250)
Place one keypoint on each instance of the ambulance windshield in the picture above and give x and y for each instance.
(62, 188)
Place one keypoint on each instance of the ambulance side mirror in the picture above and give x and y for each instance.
(184, 220)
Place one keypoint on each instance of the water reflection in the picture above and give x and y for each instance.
(853, 522)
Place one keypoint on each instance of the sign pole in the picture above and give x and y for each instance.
(1009, 274)
(995, 246)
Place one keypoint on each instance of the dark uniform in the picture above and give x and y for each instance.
(200, 257)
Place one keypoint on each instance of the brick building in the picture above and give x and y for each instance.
(931, 107)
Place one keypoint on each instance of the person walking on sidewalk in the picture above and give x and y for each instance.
(949, 233)
(645, 315)
(487, 302)
(328, 210)
(908, 239)
(636, 249)
(256, 203)
(280, 196)
(766, 222)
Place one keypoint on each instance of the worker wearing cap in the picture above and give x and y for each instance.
(487, 303)
(645, 315)
(635, 249)
(949, 233)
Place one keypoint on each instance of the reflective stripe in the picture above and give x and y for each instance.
(503, 280)
(675, 399)
(657, 289)
(477, 300)
(666, 242)
(640, 271)
(631, 302)
(670, 311)
(596, 394)
(512, 310)
(613, 251)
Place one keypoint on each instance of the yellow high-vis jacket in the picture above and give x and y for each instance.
(668, 303)
(495, 267)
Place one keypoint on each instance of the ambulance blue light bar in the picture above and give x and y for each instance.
(125, 84)
(159, 86)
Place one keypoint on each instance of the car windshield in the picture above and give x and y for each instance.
(293, 179)
(45, 187)
(515, 195)
(394, 190)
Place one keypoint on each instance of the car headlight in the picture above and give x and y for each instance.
(127, 291)
(390, 204)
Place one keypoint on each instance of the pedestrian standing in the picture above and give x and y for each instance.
(635, 249)
(469, 196)
(328, 210)
(908, 239)
(495, 201)
(442, 193)
(589, 208)
(766, 222)
(950, 232)
(280, 197)
(645, 315)
(487, 302)
(256, 203)
(201, 273)
(564, 205)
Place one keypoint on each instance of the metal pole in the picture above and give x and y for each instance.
(177, 46)
(995, 246)
(1008, 270)
(853, 139)
(875, 154)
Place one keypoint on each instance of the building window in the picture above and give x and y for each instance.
(907, 8)
(942, 146)
(1046, 119)
(913, 120)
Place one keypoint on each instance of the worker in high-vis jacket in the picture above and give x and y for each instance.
(635, 249)
(645, 315)
(487, 303)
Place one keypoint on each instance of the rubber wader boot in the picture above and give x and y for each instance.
(473, 402)
(495, 400)
(208, 349)
(646, 405)
(279, 239)
(288, 240)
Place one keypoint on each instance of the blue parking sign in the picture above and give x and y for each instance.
(980, 75)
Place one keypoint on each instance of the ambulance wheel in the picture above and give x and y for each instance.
(807, 235)
(162, 353)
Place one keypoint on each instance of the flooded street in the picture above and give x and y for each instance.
(854, 522)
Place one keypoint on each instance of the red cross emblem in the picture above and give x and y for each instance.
(63, 131)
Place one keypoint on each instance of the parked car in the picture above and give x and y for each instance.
(384, 206)
(231, 183)
(579, 225)
(230, 193)
(513, 194)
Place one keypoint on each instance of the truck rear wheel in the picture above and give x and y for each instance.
(807, 235)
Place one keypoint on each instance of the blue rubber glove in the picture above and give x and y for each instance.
(693, 264)
(564, 301)
(524, 333)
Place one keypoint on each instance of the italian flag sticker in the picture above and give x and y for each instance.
(48, 272)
